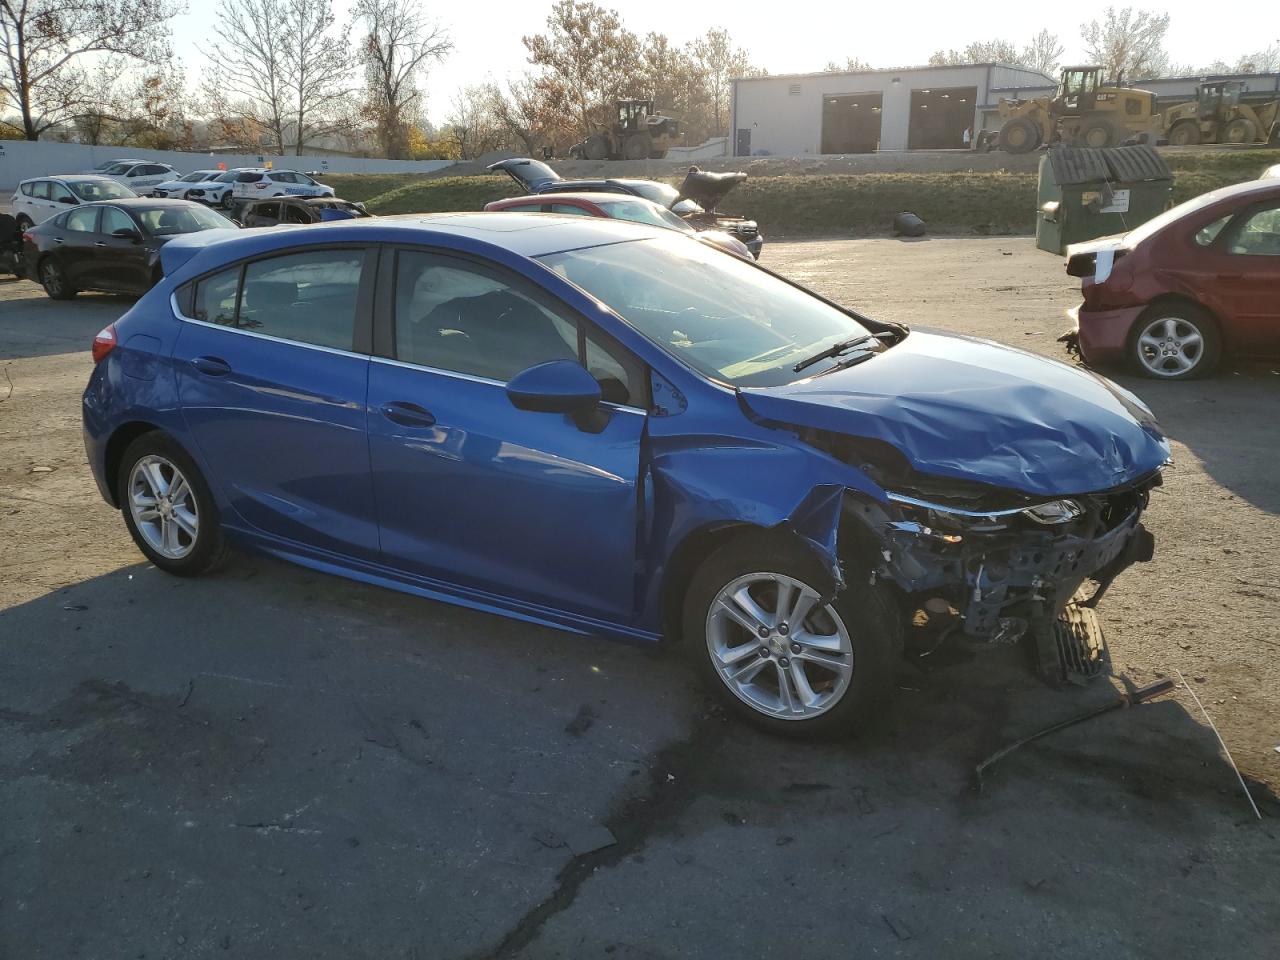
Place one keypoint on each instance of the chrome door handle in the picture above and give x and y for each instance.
(99, 243)
(57, 239)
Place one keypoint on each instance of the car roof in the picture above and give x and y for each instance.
(590, 196)
(73, 178)
(516, 233)
(145, 203)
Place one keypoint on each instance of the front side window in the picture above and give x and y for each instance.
(453, 314)
(1259, 235)
(113, 219)
(60, 194)
(170, 221)
(1209, 232)
(118, 169)
(295, 214)
(565, 208)
(267, 211)
(310, 297)
(722, 316)
(84, 220)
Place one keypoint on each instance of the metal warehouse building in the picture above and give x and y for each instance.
(913, 108)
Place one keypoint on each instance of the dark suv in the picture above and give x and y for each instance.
(304, 210)
(695, 201)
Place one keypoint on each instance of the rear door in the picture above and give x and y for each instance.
(273, 375)
(75, 249)
(1248, 278)
(477, 493)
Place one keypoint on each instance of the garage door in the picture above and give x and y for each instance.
(939, 117)
(851, 123)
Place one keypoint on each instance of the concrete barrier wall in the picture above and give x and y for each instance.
(715, 147)
(20, 160)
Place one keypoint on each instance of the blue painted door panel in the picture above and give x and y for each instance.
(472, 491)
(282, 427)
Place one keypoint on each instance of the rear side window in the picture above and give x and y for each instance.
(40, 190)
(215, 299)
(26, 189)
(84, 220)
(309, 297)
(249, 177)
(284, 177)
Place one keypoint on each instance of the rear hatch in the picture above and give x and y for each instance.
(531, 175)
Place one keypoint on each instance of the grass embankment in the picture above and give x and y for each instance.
(825, 204)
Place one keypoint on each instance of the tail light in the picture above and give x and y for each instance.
(28, 237)
(104, 343)
(261, 185)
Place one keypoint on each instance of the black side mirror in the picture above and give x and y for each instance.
(127, 233)
(560, 386)
(69, 201)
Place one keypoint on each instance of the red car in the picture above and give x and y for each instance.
(619, 207)
(1198, 282)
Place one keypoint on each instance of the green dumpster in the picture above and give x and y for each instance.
(1086, 193)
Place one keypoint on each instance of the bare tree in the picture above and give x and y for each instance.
(980, 51)
(280, 71)
(45, 45)
(851, 65)
(317, 69)
(1128, 43)
(533, 111)
(248, 89)
(719, 63)
(1043, 53)
(399, 44)
(472, 126)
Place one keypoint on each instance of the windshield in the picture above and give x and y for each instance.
(169, 221)
(194, 177)
(641, 211)
(660, 193)
(226, 177)
(724, 317)
(88, 190)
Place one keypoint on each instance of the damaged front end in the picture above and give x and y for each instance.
(991, 566)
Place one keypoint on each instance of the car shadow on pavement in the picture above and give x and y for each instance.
(278, 762)
(36, 326)
(1225, 422)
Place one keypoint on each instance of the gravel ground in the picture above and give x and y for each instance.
(270, 762)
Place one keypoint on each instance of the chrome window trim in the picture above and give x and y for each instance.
(472, 378)
(173, 304)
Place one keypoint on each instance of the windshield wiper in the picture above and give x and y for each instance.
(838, 348)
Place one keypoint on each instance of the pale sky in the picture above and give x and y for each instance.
(798, 35)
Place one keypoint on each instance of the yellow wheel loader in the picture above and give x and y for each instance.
(633, 132)
(1220, 113)
(1084, 112)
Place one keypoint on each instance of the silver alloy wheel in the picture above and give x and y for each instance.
(51, 278)
(1170, 347)
(778, 647)
(163, 507)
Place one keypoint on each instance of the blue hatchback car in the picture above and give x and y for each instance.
(615, 430)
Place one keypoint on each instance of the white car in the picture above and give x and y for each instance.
(217, 192)
(38, 199)
(177, 189)
(101, 169)
(257, 184)
(1271, 173)
(141, 175)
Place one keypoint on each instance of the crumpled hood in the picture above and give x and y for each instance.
(975, 410)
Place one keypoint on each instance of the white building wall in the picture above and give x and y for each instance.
(21, 159)
(784, 123)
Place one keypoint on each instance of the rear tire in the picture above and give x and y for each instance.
(839, 662)
(638, 147)
(1184, 133)
(1019, 135)
(1098, 134)
(168, 507)
(1240, 130)
(54, 280)
(596, 148)
(1177, 341)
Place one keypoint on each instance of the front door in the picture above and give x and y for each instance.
(273, 390)
(121, 261)
(1248, 278)
(471, 490)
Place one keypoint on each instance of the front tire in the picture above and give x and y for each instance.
(1185, 133)
(779, 657)
(168, 507)
(1174, 342)
(1019, 135)
(227, 201)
